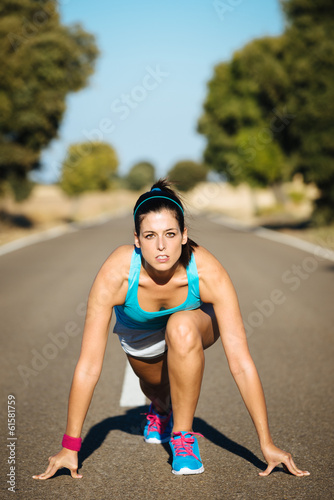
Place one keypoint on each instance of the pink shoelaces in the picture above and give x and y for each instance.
(157, 422)
(183, 444)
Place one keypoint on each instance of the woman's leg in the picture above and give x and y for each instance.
(188, 333)
(154, 382)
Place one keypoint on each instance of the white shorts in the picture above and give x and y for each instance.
(147, 343)
(141, 343)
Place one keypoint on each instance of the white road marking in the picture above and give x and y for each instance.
(131, 393)
(36, 238)
(54, 232)
(269, 234)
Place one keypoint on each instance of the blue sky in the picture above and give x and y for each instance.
(149, 85)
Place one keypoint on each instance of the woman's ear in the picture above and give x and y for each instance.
(185, 236)
(137, 243)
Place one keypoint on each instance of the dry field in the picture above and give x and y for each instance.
(48, 207)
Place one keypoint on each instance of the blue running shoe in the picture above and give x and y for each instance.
(158, 428)
(186, 457)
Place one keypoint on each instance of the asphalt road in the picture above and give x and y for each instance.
(286, 297)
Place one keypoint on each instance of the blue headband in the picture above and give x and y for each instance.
(158, 196)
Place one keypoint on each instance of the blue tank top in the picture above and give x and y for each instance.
(131, 315)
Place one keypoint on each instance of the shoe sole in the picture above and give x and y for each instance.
(185, 471)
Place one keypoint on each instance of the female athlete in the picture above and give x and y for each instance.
(172, 300)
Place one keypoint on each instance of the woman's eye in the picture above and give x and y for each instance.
(150, 236)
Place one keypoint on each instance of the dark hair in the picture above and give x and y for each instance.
(163, 198)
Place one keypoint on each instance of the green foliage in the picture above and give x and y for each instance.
(187, 173)
(310, 63)
(261, 159)
(283, 87)
(41, 61)
(297, 196)
(88, 166)
(140, 176)
(20, 187)
(244, 128)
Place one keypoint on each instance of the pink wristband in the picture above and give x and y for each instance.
(71, 443)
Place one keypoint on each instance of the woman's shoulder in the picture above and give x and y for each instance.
(212, 275)
(119, 259)
(208, 266)
(115, 269)
(123, 252)
(206, 260)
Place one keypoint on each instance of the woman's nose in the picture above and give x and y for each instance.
(161, 244)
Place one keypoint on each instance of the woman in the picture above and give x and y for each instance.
(172, 300)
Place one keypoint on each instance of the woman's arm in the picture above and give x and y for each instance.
(89, 366)
(216, 287)
(109, 288)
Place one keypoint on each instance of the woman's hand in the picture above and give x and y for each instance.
(274, 456)
(65, 458)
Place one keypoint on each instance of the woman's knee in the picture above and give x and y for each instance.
(182, 333)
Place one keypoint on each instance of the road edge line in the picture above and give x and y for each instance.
(56, 231)
(26, 241)
(270, 234)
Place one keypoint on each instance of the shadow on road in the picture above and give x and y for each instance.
(219, 439)
(133, 422)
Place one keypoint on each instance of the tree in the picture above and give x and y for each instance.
(244, 119)
(140, 176)
(309, 62)
(187, 173)
(269, 112)
(261, 159)
(41, 61)
(88, 166)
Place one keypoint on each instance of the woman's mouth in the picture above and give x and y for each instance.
(162, 258)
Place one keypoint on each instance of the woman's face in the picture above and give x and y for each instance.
(160, 239)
